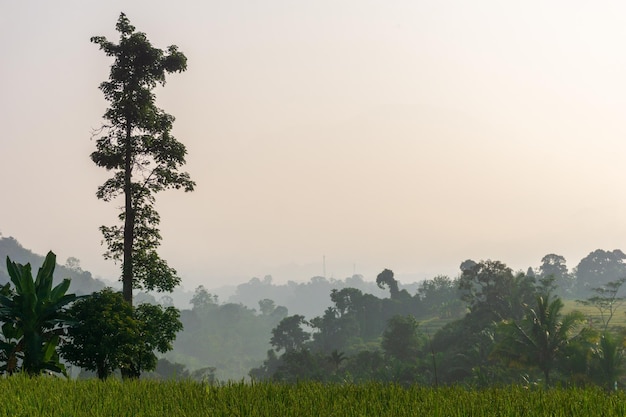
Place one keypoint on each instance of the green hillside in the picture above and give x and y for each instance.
(82, 281)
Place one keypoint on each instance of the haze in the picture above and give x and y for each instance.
(409, 135)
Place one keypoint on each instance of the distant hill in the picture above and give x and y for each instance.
(310, 298)
(82, 281)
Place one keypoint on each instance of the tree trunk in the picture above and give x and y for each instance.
(129, 221)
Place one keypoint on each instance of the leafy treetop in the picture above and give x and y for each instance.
(136, 143)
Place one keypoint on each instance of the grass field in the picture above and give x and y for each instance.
(21, 396)
(618, 320)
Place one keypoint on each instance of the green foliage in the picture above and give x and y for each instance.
(599, 268)
(157, 328)
(82, 281)
(230, 338)
(493, 292)
(541, 338)
(52, 397)
(103, 326)
(606, 301)
(308, 298)
(33, 318)
(136, 143)
(202, 300)
(609, 359)
(108, 334)
(289, 335)
(441, 296)
(168, 370)
(555, 266)
(55, 397)
(401, 339)
(386, 278)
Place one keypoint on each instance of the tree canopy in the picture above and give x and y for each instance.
(135, 142)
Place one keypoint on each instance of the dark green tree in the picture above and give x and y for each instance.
(166, 369)
(289, 335)
(301, 365)
(333, 333)
(441, 296)
(542, 336)
(202, 299)
(402, 339)
(157, 328)
(267, 306)
(346, 300)
(608, 353)
(493, 292)
(33, 318)
(386, 278)
(555, 266)
(135, 143)
(608, 359)
(599, 268)
(358, 315)
(103, 327)
(336, 358)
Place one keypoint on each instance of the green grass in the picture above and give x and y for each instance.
(22, 396)
(432, 325)
(618, 320)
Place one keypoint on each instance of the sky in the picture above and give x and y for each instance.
(331, 137)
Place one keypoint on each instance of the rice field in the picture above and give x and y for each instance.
(592, 313)
(22, 396)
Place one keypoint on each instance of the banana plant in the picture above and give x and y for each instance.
(33, 319)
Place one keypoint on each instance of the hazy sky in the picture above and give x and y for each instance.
(409, 135)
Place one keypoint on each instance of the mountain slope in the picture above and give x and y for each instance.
(82, 281)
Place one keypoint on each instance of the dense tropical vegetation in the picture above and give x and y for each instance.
(33, 320)
(495, 326)
(488, 326)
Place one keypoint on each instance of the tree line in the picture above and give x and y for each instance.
(499, 327)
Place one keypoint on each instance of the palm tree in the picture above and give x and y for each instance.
(609, 357)
(32, 317)
(336, 358)
(543, 333)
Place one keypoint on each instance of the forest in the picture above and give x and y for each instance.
(487, 326)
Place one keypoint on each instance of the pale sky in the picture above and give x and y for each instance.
(409, 135)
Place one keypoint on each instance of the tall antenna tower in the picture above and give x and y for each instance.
(324, 265)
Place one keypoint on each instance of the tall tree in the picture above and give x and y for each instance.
(136, 143)
(493, 292)
(386, 278)
(555, 266)
(288, 335)
(599, 268)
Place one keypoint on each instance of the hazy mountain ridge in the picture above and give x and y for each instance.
(309, 298)
(82, 282)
